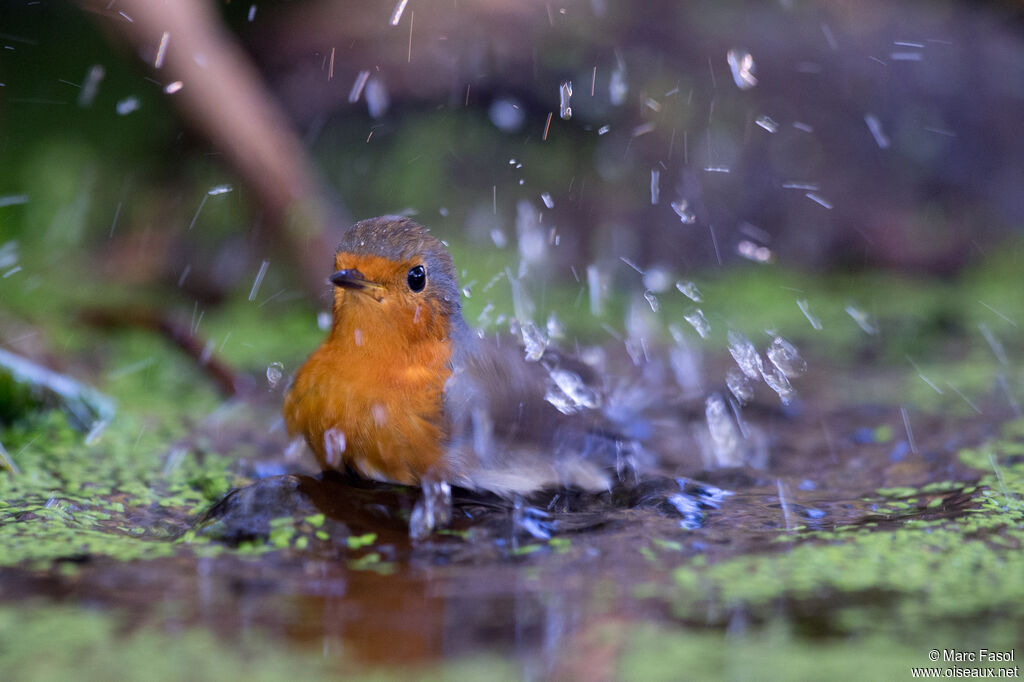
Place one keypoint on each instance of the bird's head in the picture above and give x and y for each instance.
(393, 276)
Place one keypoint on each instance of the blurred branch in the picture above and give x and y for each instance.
(224, 98)
(228, 381)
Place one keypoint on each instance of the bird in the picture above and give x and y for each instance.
(402, 390)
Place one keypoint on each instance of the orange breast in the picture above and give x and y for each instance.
(385, 405)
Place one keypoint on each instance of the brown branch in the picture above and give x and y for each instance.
(224, 98)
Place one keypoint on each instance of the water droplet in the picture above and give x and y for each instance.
(433, 509)
(618, 87)
(334, 447)
(467, 291)
(725, 437)
(754, 252)
(695, 316)
(357, 87)
(767, 123)
(689, 289)
(379, 413)
(534, 341)
(739, 385)
(778, 382)
(786, 357)
(745, 355)
(323, 320)
(567, 392)
(875, 126)
(682, 209)
(506, 114)
(652, 300)
(655, 186)
(741, 63)
(396, 15)
(217, 190)
(275, 371)
(548, 201)
(377, 99)
(127, 106)
(499, 239)
(657, 279)
(564, 100)
(554, 326)
(603, 130)
(594, 287)
(862, 319)
(806, 310)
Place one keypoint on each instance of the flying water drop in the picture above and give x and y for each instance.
(745, 355)
(695, 316)
(741, 64)
(564, 100)
(786, 357)
(534, 341)
(739, 385)
(725, 437)
(275, 371)
(689, 289)
(334, 446)
(766, 123)
(682, 209)
(567, 392)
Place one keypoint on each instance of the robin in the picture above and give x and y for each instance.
(402, 390)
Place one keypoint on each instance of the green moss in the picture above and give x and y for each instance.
(654, 653)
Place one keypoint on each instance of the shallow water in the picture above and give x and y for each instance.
(325, 562)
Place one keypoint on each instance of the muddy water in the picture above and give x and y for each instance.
(522, 578)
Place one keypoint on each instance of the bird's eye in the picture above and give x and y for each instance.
(417, 278)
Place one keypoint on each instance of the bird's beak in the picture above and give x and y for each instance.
(353, 279)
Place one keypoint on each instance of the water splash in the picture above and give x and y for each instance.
(569, 394)
(786, 358)
(689, 289)
(534, 341)
(725, 437)
(700, 324)
(432, 510)
(739, 385)
(778, 382)
(745, 355)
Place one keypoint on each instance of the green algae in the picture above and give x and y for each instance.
(936, 575)
(652, 654)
